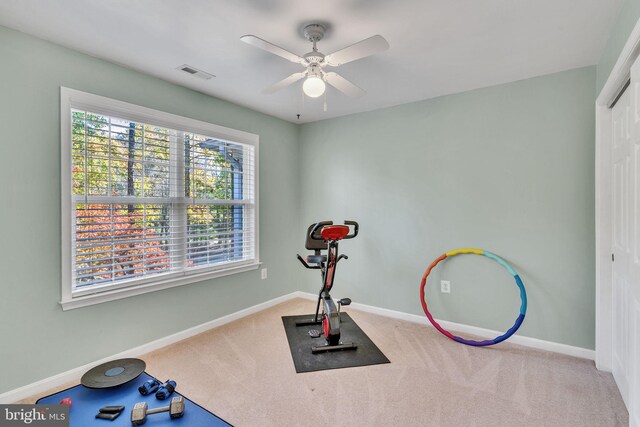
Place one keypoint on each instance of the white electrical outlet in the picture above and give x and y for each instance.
(263, 273)
(445, 286)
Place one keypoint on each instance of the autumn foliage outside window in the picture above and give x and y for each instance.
(152, 201)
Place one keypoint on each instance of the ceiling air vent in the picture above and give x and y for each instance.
(195, 72)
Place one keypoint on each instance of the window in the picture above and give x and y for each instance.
(151, 200)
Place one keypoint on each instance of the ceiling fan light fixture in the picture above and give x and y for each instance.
(313, 86)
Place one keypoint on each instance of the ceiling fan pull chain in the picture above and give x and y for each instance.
(325, 101)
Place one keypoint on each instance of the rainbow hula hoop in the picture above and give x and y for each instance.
(496, 340)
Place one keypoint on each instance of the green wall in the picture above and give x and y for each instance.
(624, 25)
(38, 338)
(509, 169)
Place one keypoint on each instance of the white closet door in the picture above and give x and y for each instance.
(621, 194)
(633, 266)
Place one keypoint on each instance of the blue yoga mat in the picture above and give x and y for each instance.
(87, 402)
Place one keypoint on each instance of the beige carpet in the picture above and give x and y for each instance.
(243, 372)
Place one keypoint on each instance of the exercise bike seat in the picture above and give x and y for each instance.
(331, 233)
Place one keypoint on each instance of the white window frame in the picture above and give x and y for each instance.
(75, 99)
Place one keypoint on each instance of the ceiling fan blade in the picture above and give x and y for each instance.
(270, 47)
(284, 83)
(343, 85)
(358, 50)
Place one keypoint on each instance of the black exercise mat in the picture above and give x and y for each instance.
(300, 344)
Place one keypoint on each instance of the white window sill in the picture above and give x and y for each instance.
(116, 294)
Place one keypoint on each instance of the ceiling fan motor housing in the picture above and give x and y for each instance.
(314, 58)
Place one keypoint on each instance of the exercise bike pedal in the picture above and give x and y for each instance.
(314, 333)
(344, 301)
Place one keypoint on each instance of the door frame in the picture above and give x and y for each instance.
(604, 132)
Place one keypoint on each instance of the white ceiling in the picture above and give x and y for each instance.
(438, 47)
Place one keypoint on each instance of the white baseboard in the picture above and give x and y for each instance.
(75, 374)
(582, 353)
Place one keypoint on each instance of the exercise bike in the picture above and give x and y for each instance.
(320, 237)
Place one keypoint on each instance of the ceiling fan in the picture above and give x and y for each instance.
(315, 61)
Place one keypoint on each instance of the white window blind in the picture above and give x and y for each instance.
(151, 202)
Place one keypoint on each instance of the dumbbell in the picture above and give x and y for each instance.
(141, 410)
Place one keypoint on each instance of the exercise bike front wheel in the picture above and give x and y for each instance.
(332, 339)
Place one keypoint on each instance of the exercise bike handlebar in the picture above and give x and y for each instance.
(315, 232)
(355, 229)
